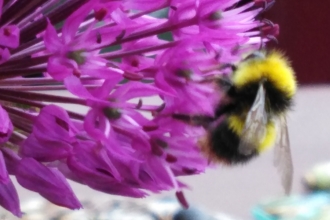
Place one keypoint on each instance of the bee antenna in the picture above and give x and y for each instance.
(270, 30)
(261, 46)
(229, 65)
(268, 22)
(272, 38)
(267, 30)
(267, 4)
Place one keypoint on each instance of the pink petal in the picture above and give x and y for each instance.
(52, 41)
(59, 68)
(118, 189)
(3, 170)
(74, 20)
(11, 159)
(96, 125)
(74, 85)
(136, 89)
(6, 127)
(44, 150)
(9, 198)
(48, 182)
(144, 4)
(56, 120)
(108, 85)
(9, 36)
(4, 55)
(96, 157)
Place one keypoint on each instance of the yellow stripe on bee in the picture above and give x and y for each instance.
(236, 124)
(274, 68)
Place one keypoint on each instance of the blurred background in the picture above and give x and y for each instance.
(304, 35)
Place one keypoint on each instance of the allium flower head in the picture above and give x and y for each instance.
(105, 57)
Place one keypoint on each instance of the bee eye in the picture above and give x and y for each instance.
(233, 68)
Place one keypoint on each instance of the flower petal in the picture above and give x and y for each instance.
(9, 36)
(73, 22)
(59, 68)
(44, 150)
(52, 41)
(118, 189)
(137, 89)
(4, 55)
(6, 127)
(3, 170)
(48, 182)
(74, 85)
(56, 121)
(9, 198)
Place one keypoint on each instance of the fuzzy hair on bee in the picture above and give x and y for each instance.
(258, 96)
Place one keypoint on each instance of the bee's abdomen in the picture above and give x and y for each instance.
(223, 143)
(277, 102)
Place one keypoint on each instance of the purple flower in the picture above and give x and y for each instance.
(107, 58)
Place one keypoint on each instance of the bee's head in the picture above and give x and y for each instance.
(255, 55)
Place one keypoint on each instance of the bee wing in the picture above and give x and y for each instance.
(282, 157)
(255, 124)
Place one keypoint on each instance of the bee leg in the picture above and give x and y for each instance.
(224, 83)
(195, 120)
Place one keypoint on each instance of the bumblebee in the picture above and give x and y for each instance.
(251, 118)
